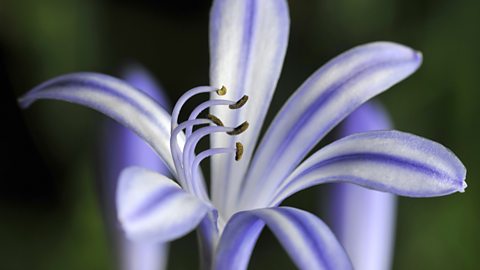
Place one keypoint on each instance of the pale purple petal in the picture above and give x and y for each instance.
(368, 117)
(308, 241)
(153, 208)
(139, 77)
(328, 96)
(248, 41)
(389, 161)
(208, 235)
(361, 216)
(144, 256)
(115, 98)
(122, 148)
(364, 222)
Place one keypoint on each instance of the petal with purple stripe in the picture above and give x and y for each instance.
(308, 241)
(328, 96)
(389, 161)
(248, 41)
(153, 208)
(115, 98)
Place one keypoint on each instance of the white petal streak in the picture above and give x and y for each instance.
(248, 41)
(328, 96)
(389, 161)
(308, 241)
(153, 208)
(116, 99)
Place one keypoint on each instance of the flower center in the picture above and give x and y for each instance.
(186, 161)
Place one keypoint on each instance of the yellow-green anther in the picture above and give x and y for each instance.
(215, 120)
(239, 103)
(238, 130)
(239, 152)
(222, 91)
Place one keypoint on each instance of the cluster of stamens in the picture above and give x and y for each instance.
(186, 161)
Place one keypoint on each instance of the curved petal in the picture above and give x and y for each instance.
(248, 41)
(153, 208)
(389, 161)
(328, 96)
(361, 216)
(308, 241)
(116, 99)
(122, 148)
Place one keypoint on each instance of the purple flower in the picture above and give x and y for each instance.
(248, 40)
(363, 219)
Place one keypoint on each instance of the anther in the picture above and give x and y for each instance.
(239, 103)
(215, 120)
(239, 151)
(240, 129)
(222, 91)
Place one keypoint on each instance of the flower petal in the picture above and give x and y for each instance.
(361, 216)
(389, 161)
(328, 96)
(139, 77)
(144, 256)
(122, 148)
(368, 117)
(248, 41)
(116, 99)
(153, 208)
(308, 241)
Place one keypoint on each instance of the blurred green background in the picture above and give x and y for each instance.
(48, 205)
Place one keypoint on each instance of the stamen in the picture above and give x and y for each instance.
(208, 153)
(176, 152)
(222, 91)
(239, 103)
(199, 185)
(239, 151)
(240, 129)
(215, 120)
(207, 104)
(185, 160)
(192, 141)
(183, 99)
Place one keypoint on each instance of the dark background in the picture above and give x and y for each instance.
(48, 208)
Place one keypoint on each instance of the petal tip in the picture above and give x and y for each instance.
(417, 58)
(462, 176)
(418, 55)
(24, 101)
(464, 186)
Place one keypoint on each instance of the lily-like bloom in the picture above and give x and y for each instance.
(248, 41)
(364, 219)
(121, 149)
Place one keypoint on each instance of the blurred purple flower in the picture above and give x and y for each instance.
(364, 219)
(248, 41)
(122, 148)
